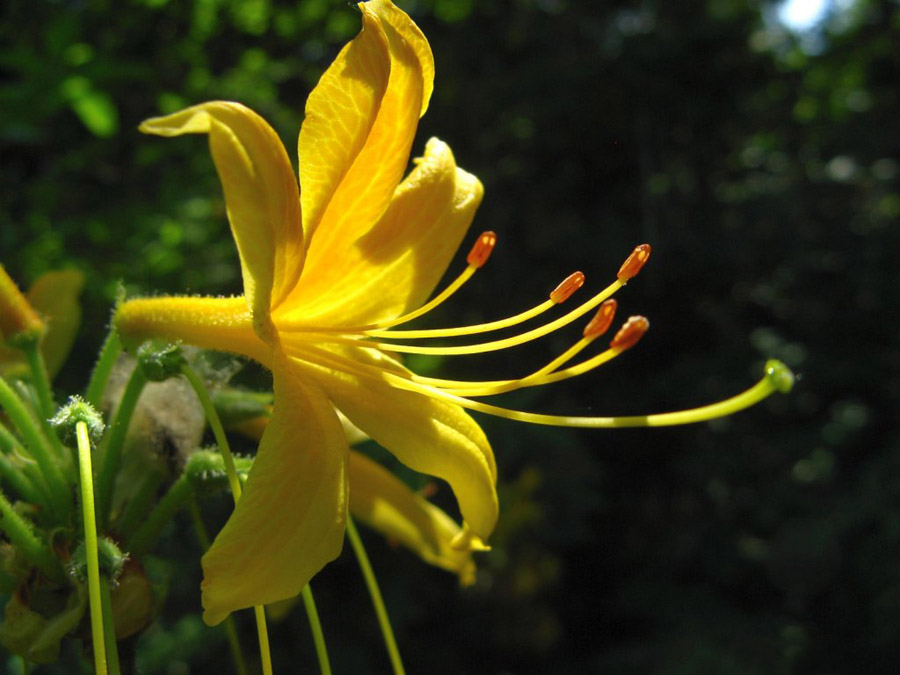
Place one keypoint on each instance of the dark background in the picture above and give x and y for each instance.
(760, 163)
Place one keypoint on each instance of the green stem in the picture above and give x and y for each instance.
(234, 643)
(109, 353)
(146, 534)
(90, 547)
(27, 543)
(39, 448)
(262, 630)
(237, 654)
(109, 627)
(316, 627)
(16, 477)
(375, 593)
(115, 439)
(36, 491)
(140, 502)
(234, 482)
(39, 377)
(218, 430)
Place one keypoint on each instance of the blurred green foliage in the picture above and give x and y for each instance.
(762, 165)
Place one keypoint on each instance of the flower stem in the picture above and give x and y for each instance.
(218, 430)
(26, 542)
(235, 483)
(39, 377)
(316, 627)
(109, 353)
(90, 547)
(115, 439)
(377, 601)
(109, 626)
(39, 448)
(140, 502)
(145, 535)
(230, 630)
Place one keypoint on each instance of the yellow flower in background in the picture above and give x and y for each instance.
(51, 307)
(329, 273)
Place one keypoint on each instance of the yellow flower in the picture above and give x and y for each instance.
(323, 294)
(53, 312)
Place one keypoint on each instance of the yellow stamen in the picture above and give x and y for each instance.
(778, 377)
(476, 259)
(630, 333)
(559, 295)
(635, 262)
(495, 344)
(566, 287)
(482, 249)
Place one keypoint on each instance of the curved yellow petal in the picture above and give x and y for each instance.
(290, 520)
(340, 113)
(343, 202)
(429, 436)
(261, 196)
(385, 504)
(55, 295)
(394, 267)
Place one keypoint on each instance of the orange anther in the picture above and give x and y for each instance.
(568, 286)
(602, 320)
(634, 262)
(630, 332)
(482, 249)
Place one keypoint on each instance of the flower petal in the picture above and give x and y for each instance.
(361, 129)
(387, 505)
(55, 295)
(429, 436)
(395, 266)
(261, 196)
(340, 113)
(290, 520)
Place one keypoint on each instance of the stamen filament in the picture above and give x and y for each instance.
(440, 298)
(478, 348)
(465, 330)
(778, 377)
(774, 380)
(559, 295)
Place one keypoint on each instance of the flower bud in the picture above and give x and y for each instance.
(75, 411)
(159, 360)
(18, 320)
(112, 560)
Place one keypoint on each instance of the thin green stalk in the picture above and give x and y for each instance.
(234, 482)
(234, 643)
(218, 430)
(377, 601)
(109, 353)
(40, 449)
(9, 445)
(90, 547)
(316, 627)
(46, 405)
(109, 627)
(39, 377)
(146, 534)
(16, 477)
(115, 439)
(140, 502)
(27, 543)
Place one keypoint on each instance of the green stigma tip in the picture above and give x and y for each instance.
(780, 375)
